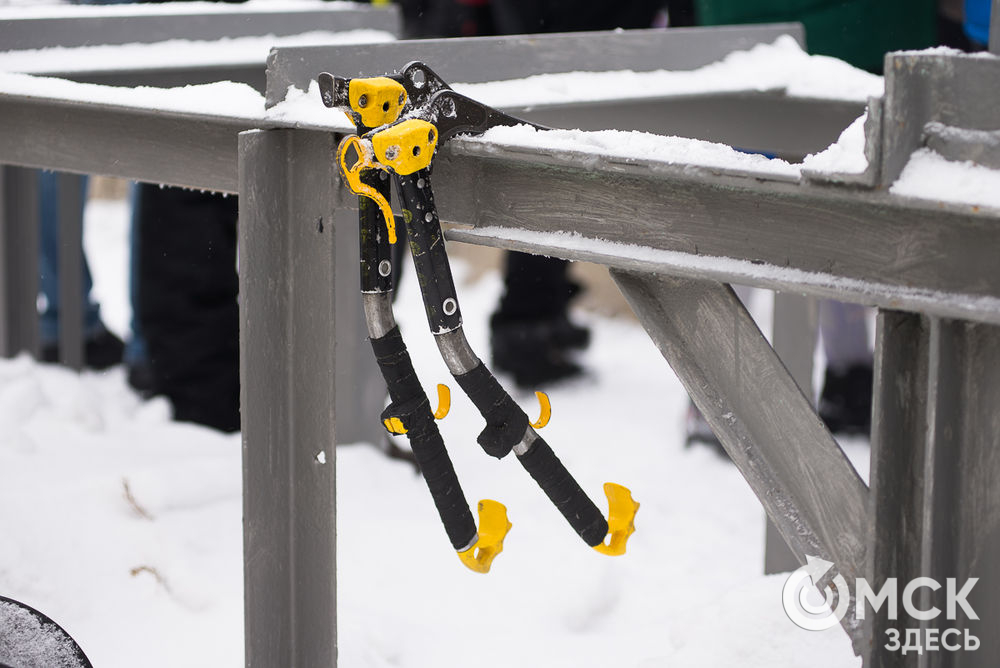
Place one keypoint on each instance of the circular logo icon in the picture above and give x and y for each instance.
(806, 605)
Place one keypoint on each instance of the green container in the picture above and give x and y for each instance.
(858, 31)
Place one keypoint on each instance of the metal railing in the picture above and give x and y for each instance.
(928, 266)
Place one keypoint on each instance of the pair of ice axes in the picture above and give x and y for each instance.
(401, 120)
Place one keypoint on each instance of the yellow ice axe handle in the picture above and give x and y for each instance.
(352, 177)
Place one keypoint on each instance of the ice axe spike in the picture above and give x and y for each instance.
(621, 519)
(493, 528)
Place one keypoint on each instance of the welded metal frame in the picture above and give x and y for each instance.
(937, 382)
(182, 149)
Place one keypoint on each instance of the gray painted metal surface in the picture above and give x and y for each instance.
(478, 59)
(795, 326)
(961, 144)
(150, 28)
(146, 25)
(768, 121)
(19, 258)
(196, 151)
(995, 28)
(935, 467)
(771, 123)
(888, 248)
(288, 396)
(921, 88)
(798, 472)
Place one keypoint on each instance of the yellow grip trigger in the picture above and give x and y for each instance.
(621, 516)
(546, 414)
(444, 402)
(378, 100)
(406, 147)
(493, 528)
(352, 176)
(394, 425)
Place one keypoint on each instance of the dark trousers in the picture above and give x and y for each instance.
(187, 309)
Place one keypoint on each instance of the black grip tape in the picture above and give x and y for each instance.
(409, 403)
(506, 423)
(564, 492)
(427, 248)
(373, 237)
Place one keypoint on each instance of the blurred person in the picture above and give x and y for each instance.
(101, 348)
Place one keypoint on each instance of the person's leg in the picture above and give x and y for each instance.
(845, 402)
(102, 349)
(188, 313)
(136, 357)
(531, 334)
(48, 263)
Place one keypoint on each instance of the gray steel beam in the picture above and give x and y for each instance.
(18, 261)
(935, 466)
(772, 123)
(288, 397)
(798, 472)
(301, 366)
(478, 59)
(802, 237)
(921, 88)
(995, 28)
(796, 323)
(70, 262)
(79, 27)
(769, 122)
(252, 74)
(191, 150)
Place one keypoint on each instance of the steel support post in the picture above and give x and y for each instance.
(18, 261)
(796, 469)
(70, 263)
(795, 325)
(995, 28)
(935, 501)
(298, 374)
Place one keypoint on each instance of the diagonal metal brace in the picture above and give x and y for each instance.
(801, 476)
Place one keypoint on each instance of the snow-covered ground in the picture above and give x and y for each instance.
(126, 527)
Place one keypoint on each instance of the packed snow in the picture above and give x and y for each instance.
(176, 52)
(34, 9)
(125, 527)
(844, 156)
(635, 145)
(781, 66)
(221, 98)
(928, 175)
(27, 641)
